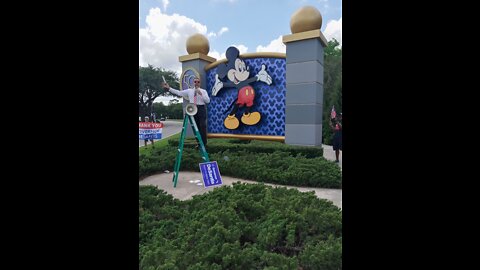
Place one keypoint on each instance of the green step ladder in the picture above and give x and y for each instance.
(203, 151)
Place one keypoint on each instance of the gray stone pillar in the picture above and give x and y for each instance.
(197, 63)
(304, 99)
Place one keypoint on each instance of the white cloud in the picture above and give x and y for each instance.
(275, 45)
(334, 30)
(163, 39)
(219, 33)
(165, 4)
(165, 100)
(223, 30)
(242, 48)
(219, 56)
(216, 55)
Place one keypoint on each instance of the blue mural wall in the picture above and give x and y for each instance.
(269, 100)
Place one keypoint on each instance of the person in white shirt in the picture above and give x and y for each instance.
(199, 97)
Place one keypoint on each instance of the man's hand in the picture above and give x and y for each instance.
(165, 86)
(217, 86)
(198, 92)
(263, 76)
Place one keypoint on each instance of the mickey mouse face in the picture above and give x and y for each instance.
(240, 73)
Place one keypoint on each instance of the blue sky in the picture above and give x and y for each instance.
(250, 25)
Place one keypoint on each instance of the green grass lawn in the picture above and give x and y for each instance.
(158, 144)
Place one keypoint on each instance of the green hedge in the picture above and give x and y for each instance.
(243, 226)
(277, 167)
(261, 161)
(234, 145)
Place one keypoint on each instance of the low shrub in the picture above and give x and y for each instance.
(244, 226)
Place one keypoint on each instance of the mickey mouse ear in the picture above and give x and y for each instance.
(232, 53)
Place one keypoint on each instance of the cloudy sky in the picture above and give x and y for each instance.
(250, 25)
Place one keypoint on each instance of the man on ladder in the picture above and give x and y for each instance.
(196, 113)
(200, 98)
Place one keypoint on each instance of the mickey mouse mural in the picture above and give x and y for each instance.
(235, 73)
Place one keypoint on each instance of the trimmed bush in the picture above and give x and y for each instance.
(280, 168)
(244, 226)
(269, 162)
(235, 145)
(277, 167)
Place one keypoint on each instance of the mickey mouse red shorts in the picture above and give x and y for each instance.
(246, 96)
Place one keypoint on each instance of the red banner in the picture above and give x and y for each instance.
(148, 125)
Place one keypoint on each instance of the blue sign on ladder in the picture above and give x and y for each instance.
(211, 174)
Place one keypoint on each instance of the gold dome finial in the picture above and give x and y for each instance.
(198, 43)
(306, 18)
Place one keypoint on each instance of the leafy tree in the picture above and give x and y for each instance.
(160, 110)
(173, 102)
(173, 110)
(332, 86)
(149, 86)
(333, 48)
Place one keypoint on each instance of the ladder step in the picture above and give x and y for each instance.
(197, 134)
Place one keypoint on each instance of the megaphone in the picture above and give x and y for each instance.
(191, 109)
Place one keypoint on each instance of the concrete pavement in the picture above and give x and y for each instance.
(190, 183)
(329, 154)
